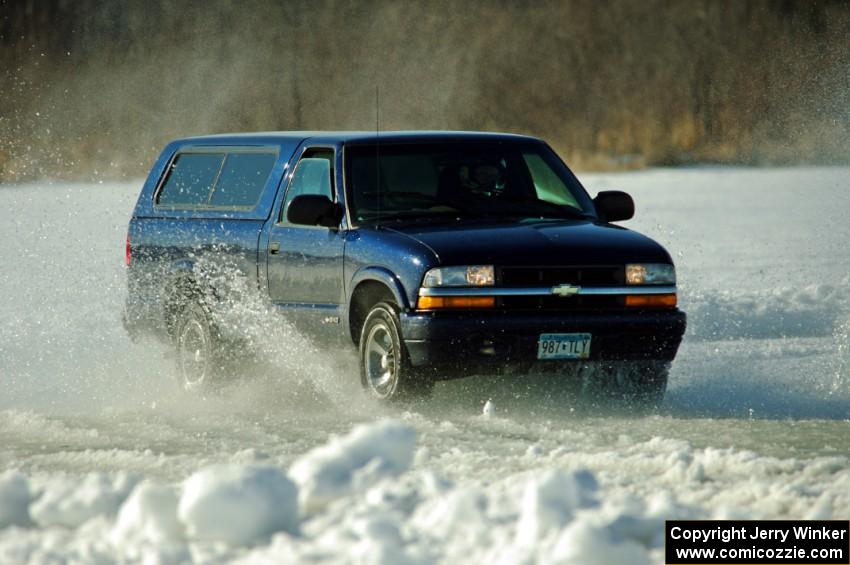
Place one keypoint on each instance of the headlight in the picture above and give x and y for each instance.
(468, 275)
(651, 273)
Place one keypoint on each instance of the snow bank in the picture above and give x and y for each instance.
(458, 512)
(553, 512)
(584, 544)
(149, 514)
(70, 503)
(238, 505)
(551, 501)
(14, 499)
(368, 454)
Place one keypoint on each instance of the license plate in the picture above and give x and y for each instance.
(563, 346)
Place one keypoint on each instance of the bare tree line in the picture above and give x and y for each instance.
(99, 86)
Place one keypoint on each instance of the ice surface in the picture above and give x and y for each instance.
(98, 451)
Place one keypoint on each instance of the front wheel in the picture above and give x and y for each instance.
(385, 369)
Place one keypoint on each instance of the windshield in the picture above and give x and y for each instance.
(447, 180)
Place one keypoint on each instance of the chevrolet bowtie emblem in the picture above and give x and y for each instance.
(566, 290)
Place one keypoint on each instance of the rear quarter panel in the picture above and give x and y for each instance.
(216, 250)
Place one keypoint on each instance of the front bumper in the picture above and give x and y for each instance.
(472, 339)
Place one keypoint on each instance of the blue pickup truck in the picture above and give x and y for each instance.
(434, 255)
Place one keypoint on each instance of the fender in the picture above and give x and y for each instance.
(180, 272)
(381, 275)
(181, 268)
(184, 272)
(180, 278)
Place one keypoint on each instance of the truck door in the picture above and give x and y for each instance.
(305, 263)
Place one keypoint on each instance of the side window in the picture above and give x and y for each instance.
(242, 179)
(190, 179)
(547, 184)
(312, 175)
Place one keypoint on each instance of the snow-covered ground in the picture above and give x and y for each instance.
(101, 460)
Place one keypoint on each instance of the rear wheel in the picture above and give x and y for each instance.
(385, 369)
(198, 350)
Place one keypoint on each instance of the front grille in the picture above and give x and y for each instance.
(593, 275)
(547, 277)
(560, 304)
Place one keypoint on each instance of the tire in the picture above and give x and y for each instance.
(635, 385)
(385, 370)
(199, 350)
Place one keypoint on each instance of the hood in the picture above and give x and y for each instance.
(536, 242)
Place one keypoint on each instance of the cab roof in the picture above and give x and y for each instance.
(353, 137)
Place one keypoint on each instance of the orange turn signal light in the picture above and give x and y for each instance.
(445, 302)
(651, 301)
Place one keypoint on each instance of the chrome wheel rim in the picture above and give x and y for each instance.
(380, 361)
(194, 354)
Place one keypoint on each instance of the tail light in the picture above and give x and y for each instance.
(128, 256)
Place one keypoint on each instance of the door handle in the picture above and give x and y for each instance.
(274, 247)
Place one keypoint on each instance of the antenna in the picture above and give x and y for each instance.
(378, 149)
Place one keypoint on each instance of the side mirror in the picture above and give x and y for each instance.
(314, 210)
(614, 205)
